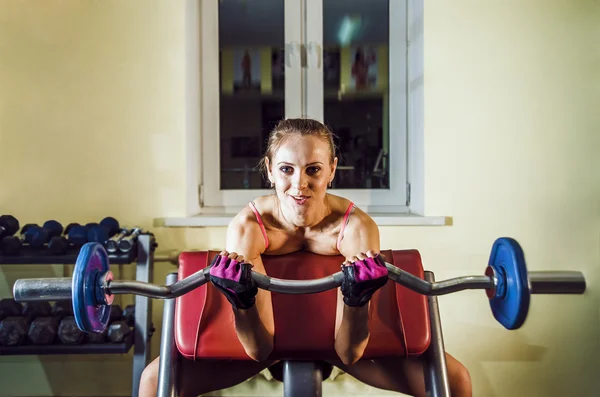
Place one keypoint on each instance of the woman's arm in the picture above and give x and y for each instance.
(361, 241)
(255, 326)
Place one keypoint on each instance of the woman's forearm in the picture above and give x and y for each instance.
(353, 334)
(252, 332)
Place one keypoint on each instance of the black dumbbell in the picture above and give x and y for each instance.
(42, 235)
(9, 225)
(43, 330)
(116, 313)
(76, 234)
(127, 243)
(31, 234)
(58, 245)
(95, 337)
(53, 227)
(35, 309)
(10, 308)
(129, 315)
(118, 331)
(100, 233)
(56, 242)
(13, 331)
(62, 308)
(69, 333)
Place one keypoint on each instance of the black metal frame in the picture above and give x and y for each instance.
(301, 378)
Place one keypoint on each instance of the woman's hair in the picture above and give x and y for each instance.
(290, 127)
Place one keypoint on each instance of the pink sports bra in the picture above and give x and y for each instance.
(340, 235)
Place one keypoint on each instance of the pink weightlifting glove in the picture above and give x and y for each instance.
(234, 280)
(361, 279)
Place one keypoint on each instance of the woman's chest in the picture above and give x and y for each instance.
(322, 243)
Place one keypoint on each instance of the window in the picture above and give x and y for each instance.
(342, 62)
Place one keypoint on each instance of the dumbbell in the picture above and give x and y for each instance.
(54, 228)
(112, 245)
(10, 307)
(76, 234)
(129, 315)
(127, 243)
(100, 233)
(62, 308)
(118, 331)
(14, 328)
(69, 333)
(50, 233)
(31, 234)
(57, 243)
(35, 309)
(9, 225)
(43, 330)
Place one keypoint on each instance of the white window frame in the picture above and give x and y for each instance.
(406, 130)
(213, 199)
(374, 200)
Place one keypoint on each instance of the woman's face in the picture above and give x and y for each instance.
(301, 172)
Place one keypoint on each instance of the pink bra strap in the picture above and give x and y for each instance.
(344, 223)
(261, 224)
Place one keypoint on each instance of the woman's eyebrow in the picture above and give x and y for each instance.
(309, 164)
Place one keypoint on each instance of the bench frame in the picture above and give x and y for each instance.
(302, 378)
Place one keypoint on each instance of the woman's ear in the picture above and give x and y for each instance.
(269, 173)
(333, 168)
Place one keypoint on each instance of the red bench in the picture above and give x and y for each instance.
(199, 324)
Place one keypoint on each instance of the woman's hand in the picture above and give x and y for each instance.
(233, 277)
(363, 275)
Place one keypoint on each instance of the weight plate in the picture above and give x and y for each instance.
(510, 303)
(92, 263)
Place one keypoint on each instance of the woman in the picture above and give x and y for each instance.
(300, 164)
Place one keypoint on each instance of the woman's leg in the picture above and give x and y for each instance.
(199, 377)
(406, 375)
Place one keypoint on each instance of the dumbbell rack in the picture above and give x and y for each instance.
(143, 255)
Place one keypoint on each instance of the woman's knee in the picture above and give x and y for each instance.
(460, 380)
(149, 379)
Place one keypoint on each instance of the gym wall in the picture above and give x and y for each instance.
(93, 123)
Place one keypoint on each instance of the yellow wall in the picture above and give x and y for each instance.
(92, 122)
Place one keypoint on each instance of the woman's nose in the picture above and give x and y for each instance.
(299, 180)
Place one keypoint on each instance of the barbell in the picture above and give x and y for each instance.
(506, 281)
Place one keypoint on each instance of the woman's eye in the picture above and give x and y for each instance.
(312, 170)
(285, 169)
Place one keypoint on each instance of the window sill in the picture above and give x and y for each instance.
(382, 219)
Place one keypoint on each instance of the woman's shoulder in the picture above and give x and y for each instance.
(264, 204)
(351, 212)
(341, 206)
(256, 213)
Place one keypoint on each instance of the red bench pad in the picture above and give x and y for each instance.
(304, 324)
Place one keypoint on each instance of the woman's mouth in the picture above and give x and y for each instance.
(300, 200)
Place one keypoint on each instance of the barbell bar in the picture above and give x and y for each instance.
(506, 281)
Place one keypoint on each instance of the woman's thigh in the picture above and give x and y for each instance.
(200, 377)
(396, 374)
(406, 375)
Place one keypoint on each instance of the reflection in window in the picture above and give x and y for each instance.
(355, 83)
(251, 87)
(356, 93)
